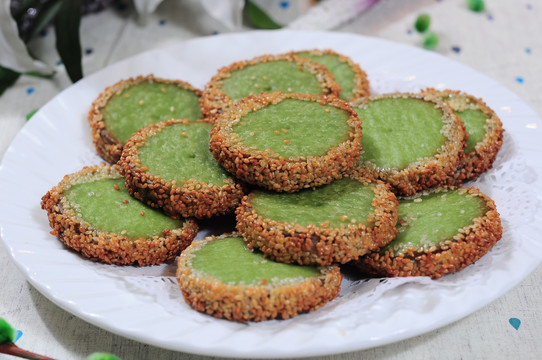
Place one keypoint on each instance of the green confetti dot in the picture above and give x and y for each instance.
(101, 356)
(422, 23)
(430, 41)
(476, 5)
(7, 332)
(30, 114)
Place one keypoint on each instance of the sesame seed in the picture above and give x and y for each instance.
(163, 90)
(184, 134)
(286, 141)
(284, 130)
(343, 217)
(141, 102)
(125, 201)
(116, 187)
(172, 109)
(327, 110)
(126, 95)
(142, 213)
(276, 132)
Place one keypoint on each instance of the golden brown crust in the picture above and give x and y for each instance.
(270, 170)
(256, 302)
(474, 163)
(214, 100)
(361, 83)
(469, 245)
(191, 198)
(107, 247)
(107, 146)
(427, 172)
(319, 244)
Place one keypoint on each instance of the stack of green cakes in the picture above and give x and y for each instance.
(318, 172)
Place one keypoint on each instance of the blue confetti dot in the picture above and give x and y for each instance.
(515, 322)
(59, 62)
(162, 22)
(456, 49)
(215, 32)
(284, 4)
(519, 79)
(30, 90)
(528, 50)
(409, 31)
(529, 7)
(18, 336)
(490, 17)
(89, 51)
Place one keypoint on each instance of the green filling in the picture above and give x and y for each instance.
(146, 103)
(434, 219)
(229, 261)
(294, 128)
(342, 71)
(181, 152)
(399, 131)
(340, 203)
(106, 209)
(475, 122)
(282, 76)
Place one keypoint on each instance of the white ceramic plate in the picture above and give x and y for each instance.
(57, 141)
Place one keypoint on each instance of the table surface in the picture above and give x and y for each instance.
(504, 42)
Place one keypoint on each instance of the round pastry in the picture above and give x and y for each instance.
(168, 165)
(91, 212)
(352, 79)
(335, 223)
(134, 103)
(222, 278)
(440, 231)
(287, 142)
(269, 73)
(411, 141)
(484, 129)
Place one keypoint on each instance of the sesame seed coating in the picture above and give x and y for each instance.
(467, 246)
(426, 172)
(109, 247)
(272, 171)
(107, 146)
(320, 244)
(474, 163)
(361, 83)
(265, 301)
(189, 198)
(214, 101)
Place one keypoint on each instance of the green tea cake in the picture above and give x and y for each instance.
(269, 73)
(92, 213)
(287, 142)
(168, 165)
(223, 278)
(411, 141)
(484, 129)
(352, 79)
(335, 223)
(441, 231)
(130, 104)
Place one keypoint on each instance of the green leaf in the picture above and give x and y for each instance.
(44, 17)
(68, 45)
(259, 18)
(7, 332)
(102, 356)
(7, 78)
